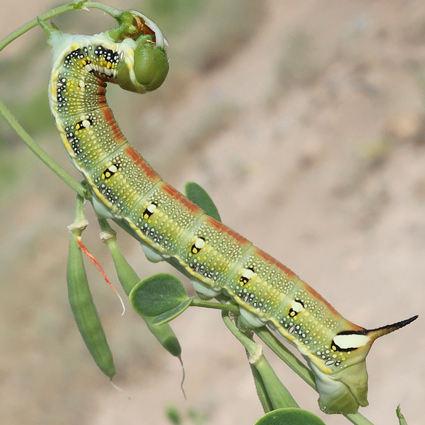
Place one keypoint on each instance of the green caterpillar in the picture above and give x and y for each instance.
(169, 226)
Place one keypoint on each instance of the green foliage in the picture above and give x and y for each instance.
(162, 297)
(128, 279)
(169, 315)
(200, 197)
(157, 294)
(177, 418)
(400, 417)
(289, 417)
(173, 415)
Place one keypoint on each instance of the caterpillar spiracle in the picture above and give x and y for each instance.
(168, 225)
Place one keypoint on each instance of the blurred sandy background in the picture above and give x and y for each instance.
(305, 122)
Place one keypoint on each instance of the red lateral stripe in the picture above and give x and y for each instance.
(140, 162)
(107, 113)
(179, 197)
(304, 286)
(276, 263)
(109, 118)
(318, 297)
(222, 228)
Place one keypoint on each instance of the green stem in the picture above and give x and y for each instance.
(273, 392)
(11, 120)
(261, 390)
(80, 217)
(217, 306)
(40, 153)
(358, 419)
(299, 368)
(75, 5)
(265, 335)
(284, 354)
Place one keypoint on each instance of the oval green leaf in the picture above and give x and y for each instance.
(172, 314)
(200, 197)
(157, 294)
(289, 417)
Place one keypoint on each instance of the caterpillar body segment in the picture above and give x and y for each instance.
(217, 259)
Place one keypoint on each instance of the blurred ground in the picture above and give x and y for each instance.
(305, 122)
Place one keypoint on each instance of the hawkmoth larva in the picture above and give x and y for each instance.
(219, 260)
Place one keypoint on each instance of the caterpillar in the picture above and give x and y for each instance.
(169, 226)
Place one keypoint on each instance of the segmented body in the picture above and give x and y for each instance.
(218, 259)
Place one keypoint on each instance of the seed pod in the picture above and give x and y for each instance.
(84, 310)
(128, 278)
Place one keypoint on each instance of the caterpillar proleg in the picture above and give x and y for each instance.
(219, 260)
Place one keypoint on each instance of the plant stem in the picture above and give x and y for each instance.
(358, 419)
(75, 5)
(284, 354)
(272, 389)
(218, 306)
(40, 153)
(262, 367)
(11, 120)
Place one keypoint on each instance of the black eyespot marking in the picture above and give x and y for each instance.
(197, 246)
(150, 210)
(109, 172)
(294, 311)
(83, 124)
(247, 275)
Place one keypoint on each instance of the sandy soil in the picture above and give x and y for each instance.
(310, 137)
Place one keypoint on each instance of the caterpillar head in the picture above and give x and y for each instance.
(343, 390)
(144, 63)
